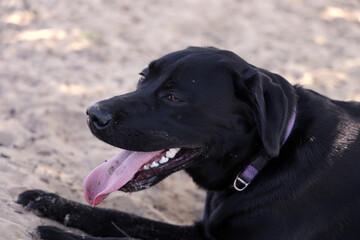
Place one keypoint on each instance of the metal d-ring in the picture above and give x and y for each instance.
(242, 181)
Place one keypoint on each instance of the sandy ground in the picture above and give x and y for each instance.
(58, 57)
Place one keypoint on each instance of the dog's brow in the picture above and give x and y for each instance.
(152, 66)
(144, 71)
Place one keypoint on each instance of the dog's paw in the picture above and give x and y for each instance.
(39, 202)
(30, 196)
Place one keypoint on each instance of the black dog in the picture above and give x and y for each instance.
(227, 123)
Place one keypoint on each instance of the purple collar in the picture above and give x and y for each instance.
(244, 178)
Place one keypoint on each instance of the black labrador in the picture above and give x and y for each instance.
(278, 161)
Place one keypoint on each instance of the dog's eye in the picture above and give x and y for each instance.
(172, 98)
(142, 78)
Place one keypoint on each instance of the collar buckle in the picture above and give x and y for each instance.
(244, 178)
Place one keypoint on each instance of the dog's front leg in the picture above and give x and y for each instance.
(54, 233)
(102, 222)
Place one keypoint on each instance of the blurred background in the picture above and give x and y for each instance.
(58, 57)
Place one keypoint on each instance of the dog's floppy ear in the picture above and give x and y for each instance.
(272, 101)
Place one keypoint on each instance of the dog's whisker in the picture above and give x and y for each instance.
(119, 229)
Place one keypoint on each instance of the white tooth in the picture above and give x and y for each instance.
(146, 167)
(163, 160)
(172, 152)
(154, 165)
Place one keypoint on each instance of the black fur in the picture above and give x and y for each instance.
(212, 100)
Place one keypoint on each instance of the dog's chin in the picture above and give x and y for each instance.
(147, 176)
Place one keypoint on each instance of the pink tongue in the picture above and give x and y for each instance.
(113, 174)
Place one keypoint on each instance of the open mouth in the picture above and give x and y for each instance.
(132, 171)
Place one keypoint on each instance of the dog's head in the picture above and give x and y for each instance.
(202, 109)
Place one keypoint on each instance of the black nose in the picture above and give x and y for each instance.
(98, 117)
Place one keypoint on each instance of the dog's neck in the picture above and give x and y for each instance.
(245, 177)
